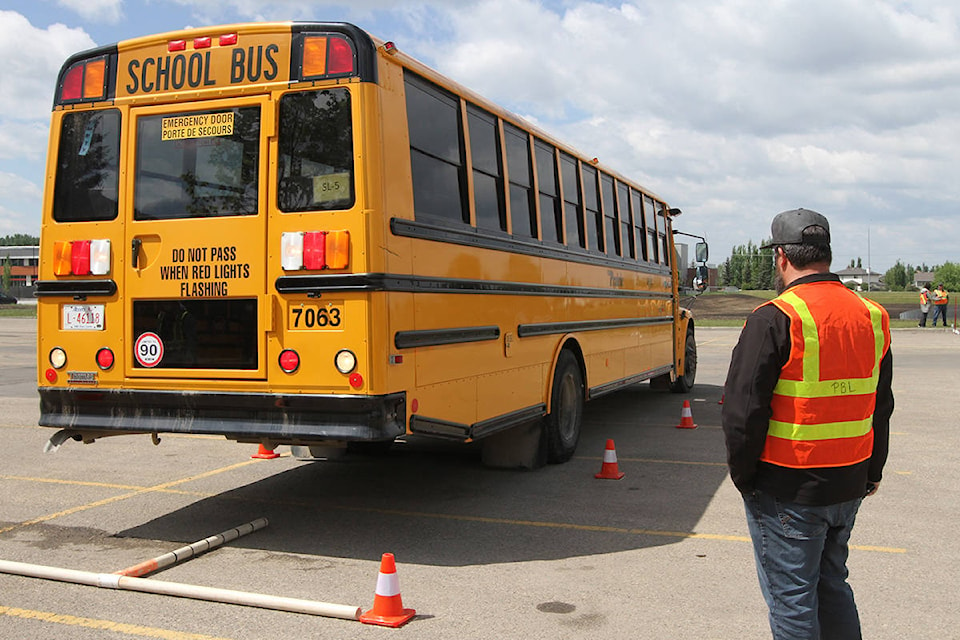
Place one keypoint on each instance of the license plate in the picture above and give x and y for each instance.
(306, 317)
(83, 317)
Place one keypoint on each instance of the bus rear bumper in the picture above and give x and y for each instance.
(278, 418)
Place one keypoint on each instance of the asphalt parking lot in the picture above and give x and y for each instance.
(554, 553)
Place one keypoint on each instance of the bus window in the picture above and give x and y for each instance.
(662, 228)
(551, 220)
(522, 212)
(571, 201)
(610, 226)
(639, 230)
(436, 151)
(591, 203)
(316, 151)
(650, 215)
(212, 174)
(487, 171)
(627, 245)
(88, 167)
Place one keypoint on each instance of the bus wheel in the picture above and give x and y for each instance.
(566, 401)
(684, 383)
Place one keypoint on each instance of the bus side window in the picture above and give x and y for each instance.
(639, 230)
(522, 212)
(551, 220)
(628, 247)
(436, 151)
(662, 228)
(487, 170)
(650, 214)
(591, 203)
(610, 224)
(571, 201)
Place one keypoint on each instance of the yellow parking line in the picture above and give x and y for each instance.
(125, 496)
(166, 488)
(103, 625)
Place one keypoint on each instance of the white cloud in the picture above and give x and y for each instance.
(32, 57)
(109, 11)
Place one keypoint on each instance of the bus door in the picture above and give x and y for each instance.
(194, 286)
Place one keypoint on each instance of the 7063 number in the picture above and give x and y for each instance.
(315, 317)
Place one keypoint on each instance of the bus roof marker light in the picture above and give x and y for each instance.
(202, 43)
(176, 45)
(228, 40)
(390, 47)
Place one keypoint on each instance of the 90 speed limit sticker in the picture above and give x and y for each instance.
(148, 349)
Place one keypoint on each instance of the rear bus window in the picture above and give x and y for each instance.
(198, 164)
(88, 167)
(316, 151)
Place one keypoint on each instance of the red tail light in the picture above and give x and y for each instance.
(340, 57)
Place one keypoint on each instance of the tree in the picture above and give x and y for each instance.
(19, 240)
(896, 277)
(949, 274)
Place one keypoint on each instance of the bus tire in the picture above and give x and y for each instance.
(684, 383)
(562, 424)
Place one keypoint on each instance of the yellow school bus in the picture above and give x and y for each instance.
(294, 233)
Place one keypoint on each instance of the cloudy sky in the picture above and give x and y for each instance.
(732, 110)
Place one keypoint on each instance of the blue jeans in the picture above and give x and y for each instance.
(801, 555)
(940, 311)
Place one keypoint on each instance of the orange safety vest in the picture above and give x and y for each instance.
(822, 407)
(944, 297)
(923, 297)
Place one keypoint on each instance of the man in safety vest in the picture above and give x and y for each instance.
(940, 300)
(806, 417)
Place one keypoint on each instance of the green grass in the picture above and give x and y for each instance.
(18, 311)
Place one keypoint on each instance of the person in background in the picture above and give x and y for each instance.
(924, 305)
(806, 421)
(940, 299)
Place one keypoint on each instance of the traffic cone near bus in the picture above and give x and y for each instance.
(610, 470)
(686, 417)
(265, 454)
(388, 608)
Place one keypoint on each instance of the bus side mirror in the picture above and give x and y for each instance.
(702, 278)
(702, 251)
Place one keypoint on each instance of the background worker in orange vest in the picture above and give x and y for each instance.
(806, 417)
(924, 305)
(940, 300)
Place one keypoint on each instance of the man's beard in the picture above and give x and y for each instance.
(778, 282)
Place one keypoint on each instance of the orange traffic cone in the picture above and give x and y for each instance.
(264, 453)
(686, 417)
(609, 470)
(388, 608)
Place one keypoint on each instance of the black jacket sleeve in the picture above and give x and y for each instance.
(881, 419)
(754, 369)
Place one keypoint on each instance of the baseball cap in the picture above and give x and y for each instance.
(788, 228)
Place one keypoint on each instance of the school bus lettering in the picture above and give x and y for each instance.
(248, 64)
(199, 70)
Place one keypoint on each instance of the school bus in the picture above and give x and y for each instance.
(294, 233)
